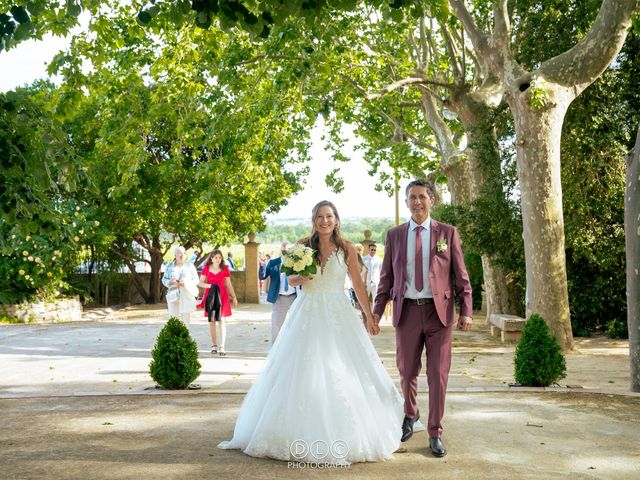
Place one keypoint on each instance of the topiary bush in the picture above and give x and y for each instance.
(538, 360)
(175, 357)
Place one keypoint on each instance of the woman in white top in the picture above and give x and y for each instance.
(181, 280)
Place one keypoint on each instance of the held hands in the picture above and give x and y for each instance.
(372, 326)
(376, 319)
(464, 323)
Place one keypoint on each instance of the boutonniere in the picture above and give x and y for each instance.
(441, 246)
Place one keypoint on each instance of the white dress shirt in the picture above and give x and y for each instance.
(374, 267)
(285, 288)
(411, 291)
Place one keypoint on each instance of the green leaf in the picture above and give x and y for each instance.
(20, 14)
(184, 6)
(635, 22)
(203, 20)
(440, 9)
(74, 9)
(23, 31)
(144, 17)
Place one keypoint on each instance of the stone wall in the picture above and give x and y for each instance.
(117, 288)
(63, 310)
(238, 280)
(112, 288)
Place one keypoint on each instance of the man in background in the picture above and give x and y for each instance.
(280, 294)
(374, 267)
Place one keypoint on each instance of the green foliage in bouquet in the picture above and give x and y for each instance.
(538, 360)
(299, 260)
(175, 357)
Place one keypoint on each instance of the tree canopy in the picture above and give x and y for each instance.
(158, 110)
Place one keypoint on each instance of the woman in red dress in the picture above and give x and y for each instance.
(215, 272)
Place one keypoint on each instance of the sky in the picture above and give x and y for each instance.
(358, 199)
(27, 62)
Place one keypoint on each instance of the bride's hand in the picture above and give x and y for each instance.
(299, 279)
(372, 328)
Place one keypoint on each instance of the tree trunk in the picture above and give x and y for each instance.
(483, 156)
(538, 134)
(463, 189)
(154, 249)
(558, 81)
(632, 239)
(137, 281)
(502, 292)
(156, 265)
(466, 179)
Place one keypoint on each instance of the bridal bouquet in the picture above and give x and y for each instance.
(298, 260)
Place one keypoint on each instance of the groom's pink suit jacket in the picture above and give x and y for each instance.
(445, 268)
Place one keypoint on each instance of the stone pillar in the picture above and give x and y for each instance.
(367, 241)
(252, 282)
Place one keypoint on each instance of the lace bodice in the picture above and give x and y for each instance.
(329, 279)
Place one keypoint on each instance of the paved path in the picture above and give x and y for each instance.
(76, 401)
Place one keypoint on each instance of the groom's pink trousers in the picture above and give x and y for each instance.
(420, 327)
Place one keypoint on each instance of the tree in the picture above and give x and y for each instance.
(39, 167)
(538, 99)
(40, 176)
(389, 80)
(25, 20)
(632, 235)
(175, 140)
(598, 129)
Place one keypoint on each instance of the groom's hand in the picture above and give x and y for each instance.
(376, 318)
(373, 328)
(371, 325)
(464, 323)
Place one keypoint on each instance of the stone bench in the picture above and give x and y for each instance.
(508, 326)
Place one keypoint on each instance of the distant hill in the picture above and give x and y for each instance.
(352, 228)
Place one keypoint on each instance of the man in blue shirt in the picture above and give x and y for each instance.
(230, 262)
(280, 294)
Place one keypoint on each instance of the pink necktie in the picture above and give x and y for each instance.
(419, 279)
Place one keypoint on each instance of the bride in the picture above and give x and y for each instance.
(324, 395)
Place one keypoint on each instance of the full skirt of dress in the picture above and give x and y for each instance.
(324, 395)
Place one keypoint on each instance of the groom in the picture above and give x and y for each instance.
(422, 272)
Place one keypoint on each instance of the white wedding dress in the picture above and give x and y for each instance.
(324, 395)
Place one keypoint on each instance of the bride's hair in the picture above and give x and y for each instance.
(313, 240)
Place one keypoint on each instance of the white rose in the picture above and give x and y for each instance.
(298, 251)
(298, 266)
(288, 262)
(307, 259)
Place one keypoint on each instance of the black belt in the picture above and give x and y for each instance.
(419, 301)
